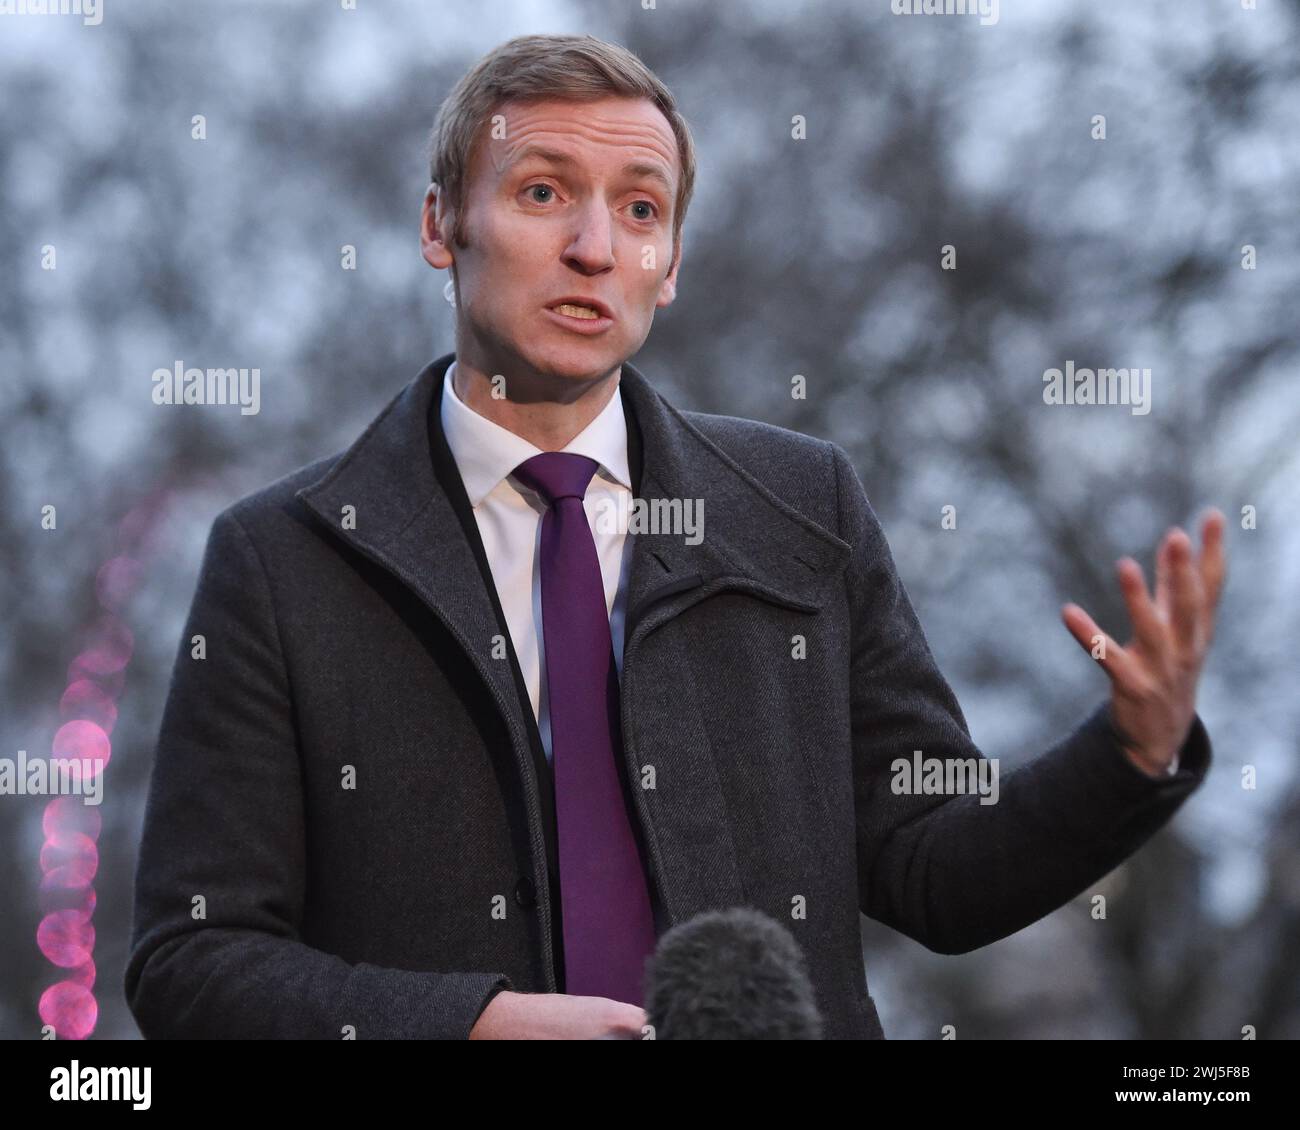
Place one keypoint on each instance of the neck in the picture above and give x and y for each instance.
(546, 410)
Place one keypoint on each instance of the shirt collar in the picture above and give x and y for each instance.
(486, 453)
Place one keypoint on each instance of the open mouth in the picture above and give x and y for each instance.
(575, 311)
(578, 314)
(582, 306)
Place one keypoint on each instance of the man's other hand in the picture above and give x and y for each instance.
(1153, 678)
(556, 1016)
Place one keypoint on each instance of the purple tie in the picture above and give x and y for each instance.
(605, 904)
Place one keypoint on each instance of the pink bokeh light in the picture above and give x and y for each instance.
(85, 744)
(70, 1009)
(62, 889)
(117, 579)
(69, 856)
(83, 975)
(87, 700)
(108, 646)
(65, 938)
(82, 668)
(71, 814)
(73, 853)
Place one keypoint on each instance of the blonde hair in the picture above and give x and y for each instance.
(536, 67)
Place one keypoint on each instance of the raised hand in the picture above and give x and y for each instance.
(1153, 678)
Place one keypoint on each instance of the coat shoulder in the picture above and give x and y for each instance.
(269, 504)
(797, 468)
(754, 439)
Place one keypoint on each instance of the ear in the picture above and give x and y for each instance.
(668, 288)
(435, 224)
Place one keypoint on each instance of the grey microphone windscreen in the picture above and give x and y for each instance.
(733, 974)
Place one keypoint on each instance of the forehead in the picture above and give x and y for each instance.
(595, 132)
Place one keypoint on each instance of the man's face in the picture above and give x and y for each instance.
(566, 205)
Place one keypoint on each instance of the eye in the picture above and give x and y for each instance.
(543, 188)
(654, 211)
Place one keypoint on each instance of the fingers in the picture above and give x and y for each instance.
(1187, 589)
(1147, 624)
(1185, 592)
(1213, 564)
(1114, 660)
(1163, 575)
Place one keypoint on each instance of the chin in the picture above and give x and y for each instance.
(583, 361)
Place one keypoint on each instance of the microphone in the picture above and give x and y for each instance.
(734, 974)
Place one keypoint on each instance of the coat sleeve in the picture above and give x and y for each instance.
(216, 950)
(946, 870)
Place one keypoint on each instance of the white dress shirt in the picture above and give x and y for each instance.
(509, 517)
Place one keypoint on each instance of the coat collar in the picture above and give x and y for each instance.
(405, 518)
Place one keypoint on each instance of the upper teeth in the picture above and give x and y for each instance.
(577, 311)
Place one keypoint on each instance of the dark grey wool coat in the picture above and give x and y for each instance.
(399, 906)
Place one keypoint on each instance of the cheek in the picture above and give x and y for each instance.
(652, 280)
(521, 261)
(647, 286)
(503, 269)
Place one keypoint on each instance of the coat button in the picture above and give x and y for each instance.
(525, 893)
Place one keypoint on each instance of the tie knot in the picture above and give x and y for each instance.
(557, 474)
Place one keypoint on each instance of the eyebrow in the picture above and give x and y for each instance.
(555, 157)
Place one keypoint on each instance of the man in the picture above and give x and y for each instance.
(455, 748)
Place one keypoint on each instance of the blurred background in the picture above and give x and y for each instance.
(127, 245)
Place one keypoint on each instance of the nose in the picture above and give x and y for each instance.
(592, 248)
